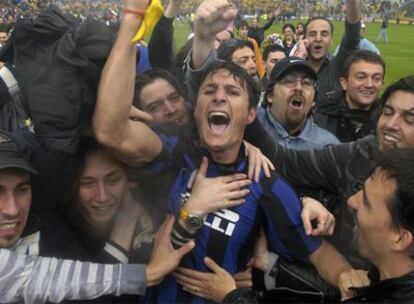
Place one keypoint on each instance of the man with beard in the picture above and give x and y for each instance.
(290, 97)
(354, 115)
(318, 39)
(225, 105)
(383, 234)
(342, 169)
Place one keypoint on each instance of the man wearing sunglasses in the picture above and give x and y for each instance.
(290, 96)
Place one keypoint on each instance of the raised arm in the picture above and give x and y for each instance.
(161, 50)
(352, 36)
(353, 11)
(132, 141)
(212, 17)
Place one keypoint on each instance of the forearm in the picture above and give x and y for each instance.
(37, 279)
(116, 87)
(353, 11)
(330, 263)
(201, 51)
(160, 47)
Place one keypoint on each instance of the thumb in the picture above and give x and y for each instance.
(136, 114)
(202, 171)
(186, 248)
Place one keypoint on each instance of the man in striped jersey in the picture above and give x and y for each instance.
(225, 105)
(35, 279)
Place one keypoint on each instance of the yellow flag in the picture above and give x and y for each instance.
(153, 13)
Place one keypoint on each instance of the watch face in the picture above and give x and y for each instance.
(194, 222)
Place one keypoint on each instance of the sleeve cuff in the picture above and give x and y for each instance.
(116, 251)
(271, 271)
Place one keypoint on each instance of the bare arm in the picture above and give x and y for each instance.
(212, 17)
(353, 11)
(132, 141)
(335, 269)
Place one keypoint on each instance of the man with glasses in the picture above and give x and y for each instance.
(290, 97)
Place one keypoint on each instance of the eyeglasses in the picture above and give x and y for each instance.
(291, 80)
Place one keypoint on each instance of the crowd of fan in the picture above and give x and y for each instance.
(161, 166)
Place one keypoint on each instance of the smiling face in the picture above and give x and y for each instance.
(243, 31)
(221, 113)
(395, 126)
(319, 36)
(102, 189)
(288, 33)
(291, 100)
(373, 231)
(363, 84)
(160, 99)
(15, 201)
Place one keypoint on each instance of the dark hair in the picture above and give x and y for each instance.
(362, 55)
(242, 23)
(289, 25)
(239, 74)
(404, 84)
(300, 23)
(272, 49)
(150, 76)
(310, 20)
(398, 164)
(227, 48)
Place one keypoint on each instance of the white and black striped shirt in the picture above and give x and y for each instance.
(34, 279)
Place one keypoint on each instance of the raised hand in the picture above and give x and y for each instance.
(211, 194)
(212, 17)
(136, 4)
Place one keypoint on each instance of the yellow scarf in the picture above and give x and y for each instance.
(153, 13)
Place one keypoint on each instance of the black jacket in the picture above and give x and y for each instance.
(391, 291)
(340, 170)
(345, 123)
(58, 62)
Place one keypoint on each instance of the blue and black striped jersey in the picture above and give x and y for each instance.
(228, 235)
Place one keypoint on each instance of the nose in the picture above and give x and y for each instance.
(102, 196)
(392, 122)
(369, 82)
(353, 201)
(169, 108)
(299, 84)
(220, 95)
(9, 205)
(252, 63)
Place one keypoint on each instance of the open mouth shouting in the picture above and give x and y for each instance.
(218, 122)
(297, 103)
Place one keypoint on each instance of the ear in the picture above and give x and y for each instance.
(251, 116)
(403, 241)
(344, 83)
(269, 97)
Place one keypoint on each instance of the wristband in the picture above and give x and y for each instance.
(140, 13)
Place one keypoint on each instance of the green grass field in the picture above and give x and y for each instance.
(398, 53)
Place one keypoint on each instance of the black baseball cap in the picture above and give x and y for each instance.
(288, 63)
(13, 156)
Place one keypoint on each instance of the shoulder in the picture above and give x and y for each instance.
(323, 136)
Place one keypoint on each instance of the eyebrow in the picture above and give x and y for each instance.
(114, 172)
